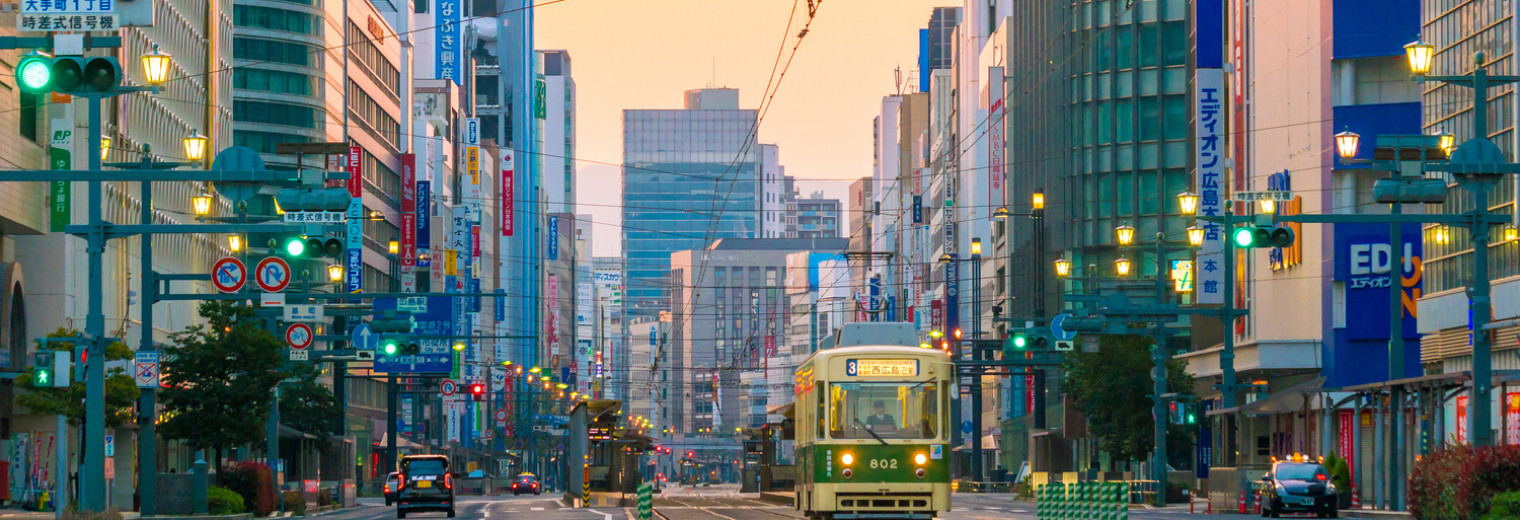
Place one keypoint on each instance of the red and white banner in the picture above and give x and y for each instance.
(995, 140)
(1512, 418)
(355, 172)
(1346, 447)
(408, 183)
(936, 314)
(1461, 419)
(507, 170)
(408, 241)
(1029, 395)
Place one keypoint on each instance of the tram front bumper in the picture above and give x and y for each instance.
(883, 500)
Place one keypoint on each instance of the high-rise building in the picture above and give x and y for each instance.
(690, 176)
(937, 44)
(611, 359)
(729, 314)
(559, 132)
(812, 217)
(1459, 31)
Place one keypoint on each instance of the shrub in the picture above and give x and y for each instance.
(1505, 505)
(295, 503)
(1462, 482)
(222, 501)
(1340, 473)
(252, 481)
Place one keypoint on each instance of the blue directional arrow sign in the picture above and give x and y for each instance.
(1057, 331)
(364, 339)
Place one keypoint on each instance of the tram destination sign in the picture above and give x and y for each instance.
(881, 368)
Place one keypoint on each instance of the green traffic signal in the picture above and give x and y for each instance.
(295, 246)
(389, 347)
(1192, 418)
(1019, 341)
(1244, 237)
(44, 377)
(35, 72)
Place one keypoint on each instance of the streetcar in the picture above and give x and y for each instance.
(871, 435)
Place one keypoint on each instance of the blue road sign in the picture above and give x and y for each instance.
(966, 427)
(1057, 331)
(364, 339)
(435, 356)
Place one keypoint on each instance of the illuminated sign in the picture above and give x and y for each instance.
(1182, 276)
(881, 367)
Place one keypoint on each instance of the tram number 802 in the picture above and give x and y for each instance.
(883, 463)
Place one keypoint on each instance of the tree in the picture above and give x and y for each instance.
(121, 389)
(219, 379)
(1112, 388)
(309, 406)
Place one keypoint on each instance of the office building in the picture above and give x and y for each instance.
(690, 176)
(558, 156)
(812, 217)
(737, 325)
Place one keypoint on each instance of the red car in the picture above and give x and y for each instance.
(526, 483)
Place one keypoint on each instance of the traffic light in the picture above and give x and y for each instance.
(1020, 341)
(477, 389)
(316, 208)
(42, 369)
(1247, 237)
(1409, 191)
(390, 346)
(38, 73)
(293, 246)
(1027, 339)
(393, 339)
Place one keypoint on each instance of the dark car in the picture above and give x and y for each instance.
(426, 485)
(1298, 486)
(526, 483)
(392, 487)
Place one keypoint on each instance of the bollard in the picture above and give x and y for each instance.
(199, 489)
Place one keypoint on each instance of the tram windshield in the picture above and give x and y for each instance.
(904, 410)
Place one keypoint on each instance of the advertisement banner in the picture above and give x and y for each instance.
(61, 157)
(450, 43)
(553, 249)
(553, 314)
(937, 314)
(1512, 418)
(1461, 426)
(455, 411)
(424, 218)
(472, 163)
(995, 139)
(408, 183)
(408, 242)
(1346, 447)
(1209, 178)
(354, 228)
(355, 172)
(506, 192)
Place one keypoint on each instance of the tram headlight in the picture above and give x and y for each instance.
(920, 459)
(847, 459)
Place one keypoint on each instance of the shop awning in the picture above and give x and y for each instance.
(401, 442)
(1292, 400)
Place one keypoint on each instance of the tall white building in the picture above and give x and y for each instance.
(558, 155)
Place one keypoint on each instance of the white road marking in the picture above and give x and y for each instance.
(605, 516)
(536, 509)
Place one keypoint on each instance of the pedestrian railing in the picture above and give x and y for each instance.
(1083, 501)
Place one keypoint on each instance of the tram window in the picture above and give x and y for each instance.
(889, 410)
(820, 415)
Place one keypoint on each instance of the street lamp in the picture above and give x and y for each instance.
(1440, 235)
(945, 258)
(1511, 233)
(393, 247)
(976, 247)
(1063, 267)
(1346, 144)
(1195, 235)
(156, 66)
(1268, 206)
(1037, 201)
(1448, 141)
(335, 273)
(201, 204)
(105, 147)
(195, 146)
(1125, 234)
(1188, 202)
(1420, 55)
(235, 242)
(1121, 266)
(1000, 213)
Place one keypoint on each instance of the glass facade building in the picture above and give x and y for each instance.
(690, 176)
(1459, 30)
(1104, 134)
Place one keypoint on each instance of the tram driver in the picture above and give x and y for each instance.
(880, 420)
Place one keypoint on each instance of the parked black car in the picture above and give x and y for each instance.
(1298, 485)
(426, 485)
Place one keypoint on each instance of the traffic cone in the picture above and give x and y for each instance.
(1356, 498)
(1242, 502)
(1257, 500)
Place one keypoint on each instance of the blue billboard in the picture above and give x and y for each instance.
(1363, 269)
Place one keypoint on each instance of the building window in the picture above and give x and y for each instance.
(275, 113)
(28, 116)
(278, 81)
(271, 18)
(273, 51)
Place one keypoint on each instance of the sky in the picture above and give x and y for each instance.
(641, 54)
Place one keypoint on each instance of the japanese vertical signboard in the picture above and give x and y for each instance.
(1208, 146)
(449, 45)
(506, 192)
(1346, 445)
(1512, 418)
(553, 249)
(424, 221)
(61, 157)
(995, 141)
(408, 212)
(355, 172)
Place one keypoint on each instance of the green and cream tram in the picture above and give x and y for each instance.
(871, 433)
